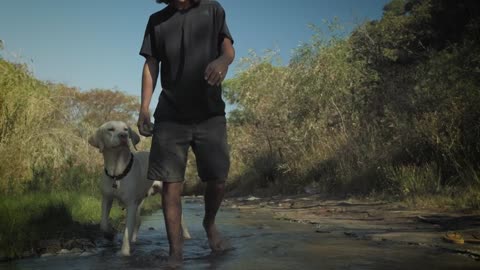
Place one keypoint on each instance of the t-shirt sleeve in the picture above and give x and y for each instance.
(149, 46)
(224, 32)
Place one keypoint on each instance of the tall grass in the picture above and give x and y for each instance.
(49, 174)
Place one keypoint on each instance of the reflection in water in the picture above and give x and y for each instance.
(260, 243)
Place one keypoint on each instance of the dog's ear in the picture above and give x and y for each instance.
(96, 141)
(133, 136)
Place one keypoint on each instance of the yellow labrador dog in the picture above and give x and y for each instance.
(124, 179)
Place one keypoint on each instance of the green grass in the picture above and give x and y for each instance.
(27, 219)
(151, 204)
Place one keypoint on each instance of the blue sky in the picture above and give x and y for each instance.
(95, 43)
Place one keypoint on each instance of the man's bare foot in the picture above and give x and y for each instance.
(175, 261)
(215, 240)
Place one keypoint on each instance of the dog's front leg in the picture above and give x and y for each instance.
(104, 223)
(127, 236)
(137, 223)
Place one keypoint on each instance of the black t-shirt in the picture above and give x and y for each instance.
(185, 42)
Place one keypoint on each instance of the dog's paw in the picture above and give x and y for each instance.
(124, 252)
(187, 236)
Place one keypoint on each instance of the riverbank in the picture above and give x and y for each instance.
(378, 221)
(52, 223)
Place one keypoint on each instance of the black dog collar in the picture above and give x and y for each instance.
(123, 174)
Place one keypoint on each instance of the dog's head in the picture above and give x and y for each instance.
(113, 134)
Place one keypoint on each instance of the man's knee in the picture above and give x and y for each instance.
(216, 186)
(172, 188)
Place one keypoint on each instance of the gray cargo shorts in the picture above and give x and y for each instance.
(171, 141)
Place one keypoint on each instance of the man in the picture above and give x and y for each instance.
(191, 41)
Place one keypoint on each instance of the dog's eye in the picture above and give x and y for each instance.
(111, 129)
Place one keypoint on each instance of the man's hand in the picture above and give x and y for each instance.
(145, 127)
(216, 71)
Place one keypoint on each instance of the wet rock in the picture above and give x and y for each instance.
(49, 246)
(76, 250)
(45, 255)
(63, 251)
(81, 243)
(87, 253)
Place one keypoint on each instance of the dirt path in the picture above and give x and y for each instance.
(375, 221)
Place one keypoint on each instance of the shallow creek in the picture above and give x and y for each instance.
(260, 242)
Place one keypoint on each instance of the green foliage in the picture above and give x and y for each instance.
(392, 108)
(413, 180)
(395, 7)
(30, 218)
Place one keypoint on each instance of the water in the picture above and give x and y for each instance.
(260, 242)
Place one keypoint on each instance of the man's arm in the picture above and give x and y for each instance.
(217, 70)
(149, 80)
(228, 52)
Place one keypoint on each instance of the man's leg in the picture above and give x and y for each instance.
(213, 199)
(172, 212)
(213, 162)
